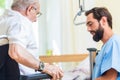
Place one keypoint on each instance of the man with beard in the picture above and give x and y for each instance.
(107, 63)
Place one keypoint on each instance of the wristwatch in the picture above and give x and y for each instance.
(41, 66)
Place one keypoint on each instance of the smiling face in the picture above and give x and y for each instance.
(94, 27)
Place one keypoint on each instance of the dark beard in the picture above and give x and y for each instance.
(98, 34)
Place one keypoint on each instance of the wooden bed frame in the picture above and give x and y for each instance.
(64, 58)
(70, 57)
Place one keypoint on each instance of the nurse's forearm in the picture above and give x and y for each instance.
(109, 75)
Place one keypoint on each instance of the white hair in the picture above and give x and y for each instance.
(23, 4)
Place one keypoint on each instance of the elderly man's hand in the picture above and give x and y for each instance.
(54, 71)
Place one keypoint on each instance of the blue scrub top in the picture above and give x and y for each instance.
(108, 57)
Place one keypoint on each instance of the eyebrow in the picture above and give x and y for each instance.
(88, 22)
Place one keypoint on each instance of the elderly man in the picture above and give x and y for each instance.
(16, 35)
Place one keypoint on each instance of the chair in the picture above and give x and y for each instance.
(9, 69)
(36, 76)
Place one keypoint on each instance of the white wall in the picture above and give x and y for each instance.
(54, 26)
(60, 32)
(50, 26)
(42, 32)
(82, 38)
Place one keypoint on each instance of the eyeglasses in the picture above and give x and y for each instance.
(38, 14)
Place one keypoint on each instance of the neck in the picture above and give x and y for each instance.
(107, 35)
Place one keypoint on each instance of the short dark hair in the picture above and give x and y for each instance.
(99, 12)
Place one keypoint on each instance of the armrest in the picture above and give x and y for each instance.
(36, 76)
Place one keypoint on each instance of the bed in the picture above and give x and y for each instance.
(79, 72)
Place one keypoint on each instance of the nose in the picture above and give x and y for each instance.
(35, 20)
(88, 28)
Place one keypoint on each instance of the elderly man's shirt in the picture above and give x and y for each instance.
(18, 29)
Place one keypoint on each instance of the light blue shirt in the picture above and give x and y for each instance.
(108, 57)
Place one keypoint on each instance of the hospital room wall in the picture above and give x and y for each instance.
(57, 31)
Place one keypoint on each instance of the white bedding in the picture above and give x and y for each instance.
(80, 72)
